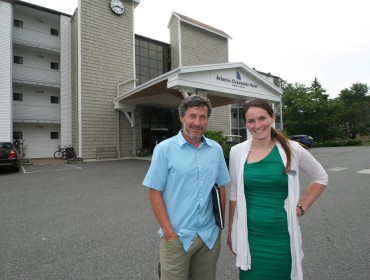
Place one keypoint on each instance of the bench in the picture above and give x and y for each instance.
(106, 152)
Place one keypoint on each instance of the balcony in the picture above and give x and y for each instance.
(35, 40)
(26, 75)
(23, 113)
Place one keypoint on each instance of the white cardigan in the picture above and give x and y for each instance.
(301, 159)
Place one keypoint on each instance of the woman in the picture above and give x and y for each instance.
(264, 231)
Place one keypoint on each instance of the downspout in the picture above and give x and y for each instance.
(118, 136)
(179, 39)
(281, 113)
(79, 97)
(133, 132)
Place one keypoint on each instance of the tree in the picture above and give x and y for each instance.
(307, 111)
(293, 100)
(354, 107)
(321, 114)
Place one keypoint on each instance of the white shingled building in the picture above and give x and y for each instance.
(69, 80)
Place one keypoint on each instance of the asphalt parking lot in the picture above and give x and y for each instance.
(93, 221)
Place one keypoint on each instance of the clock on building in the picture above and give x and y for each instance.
(117, 7)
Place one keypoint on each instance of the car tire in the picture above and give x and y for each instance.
(16, 169)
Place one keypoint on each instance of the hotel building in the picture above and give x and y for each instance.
(87, 80)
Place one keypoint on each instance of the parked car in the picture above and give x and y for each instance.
(305, 140)
(9, 157)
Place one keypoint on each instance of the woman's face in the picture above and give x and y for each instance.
(259, 122)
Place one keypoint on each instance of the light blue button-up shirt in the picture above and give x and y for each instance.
(185, 176)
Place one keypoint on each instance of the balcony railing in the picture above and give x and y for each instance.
(36, 113)
(36, 39)
(36, 76)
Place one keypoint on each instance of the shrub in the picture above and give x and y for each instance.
(217, 135)
(342, 143)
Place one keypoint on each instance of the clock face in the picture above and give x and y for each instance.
(117, 7)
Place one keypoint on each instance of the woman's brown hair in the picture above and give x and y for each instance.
(283, 140)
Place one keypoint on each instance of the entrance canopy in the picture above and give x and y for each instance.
(225, 84)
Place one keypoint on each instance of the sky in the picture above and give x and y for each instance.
(292, 39)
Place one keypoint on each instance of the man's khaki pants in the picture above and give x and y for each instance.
(199, 263)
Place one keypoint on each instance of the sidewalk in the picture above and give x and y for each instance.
(54, 161)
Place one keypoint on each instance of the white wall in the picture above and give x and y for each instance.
(35, 19)
(36, 105)
(6, 61)
(36, 29)
(65, 81)
(37, 142)
(38, 60)
(36, 68)
(35, 116)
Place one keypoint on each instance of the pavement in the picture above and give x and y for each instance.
(95, 222)
(45, 161)
(54, 161)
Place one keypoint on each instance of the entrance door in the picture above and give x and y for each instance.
(158, 124)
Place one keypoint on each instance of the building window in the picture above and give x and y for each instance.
(54, 65)
(18, 23)
(54, 99)
(17, 134)
(150, 59)
(237, 122)
(18, 59)
(17, 96)
(54, 135)
(54, 31)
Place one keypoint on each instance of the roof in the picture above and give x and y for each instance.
(41, 8)
(225, 83)
(199, 25)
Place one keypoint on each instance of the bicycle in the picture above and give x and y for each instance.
(60, 153)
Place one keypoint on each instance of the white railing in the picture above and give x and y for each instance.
(26, 37)
(31, 75)
(36, 113)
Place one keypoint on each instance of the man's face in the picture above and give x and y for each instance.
(194, 123)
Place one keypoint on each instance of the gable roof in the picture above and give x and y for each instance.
(225, 83)
(199, 25)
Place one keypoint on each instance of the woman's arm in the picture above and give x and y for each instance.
(313, 192)
(319, 180)
(232, 206)
(233, 195)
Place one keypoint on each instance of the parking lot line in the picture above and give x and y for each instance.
(364, 171)
(48, 168)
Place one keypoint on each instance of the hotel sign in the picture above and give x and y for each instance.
(236, 81)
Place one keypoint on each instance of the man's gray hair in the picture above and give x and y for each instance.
(194, 101)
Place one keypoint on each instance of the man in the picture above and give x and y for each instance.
(180, 178)
(17, 145)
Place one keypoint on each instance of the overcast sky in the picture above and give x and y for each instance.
(293, 39)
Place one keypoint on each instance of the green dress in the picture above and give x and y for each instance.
(266, 188)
